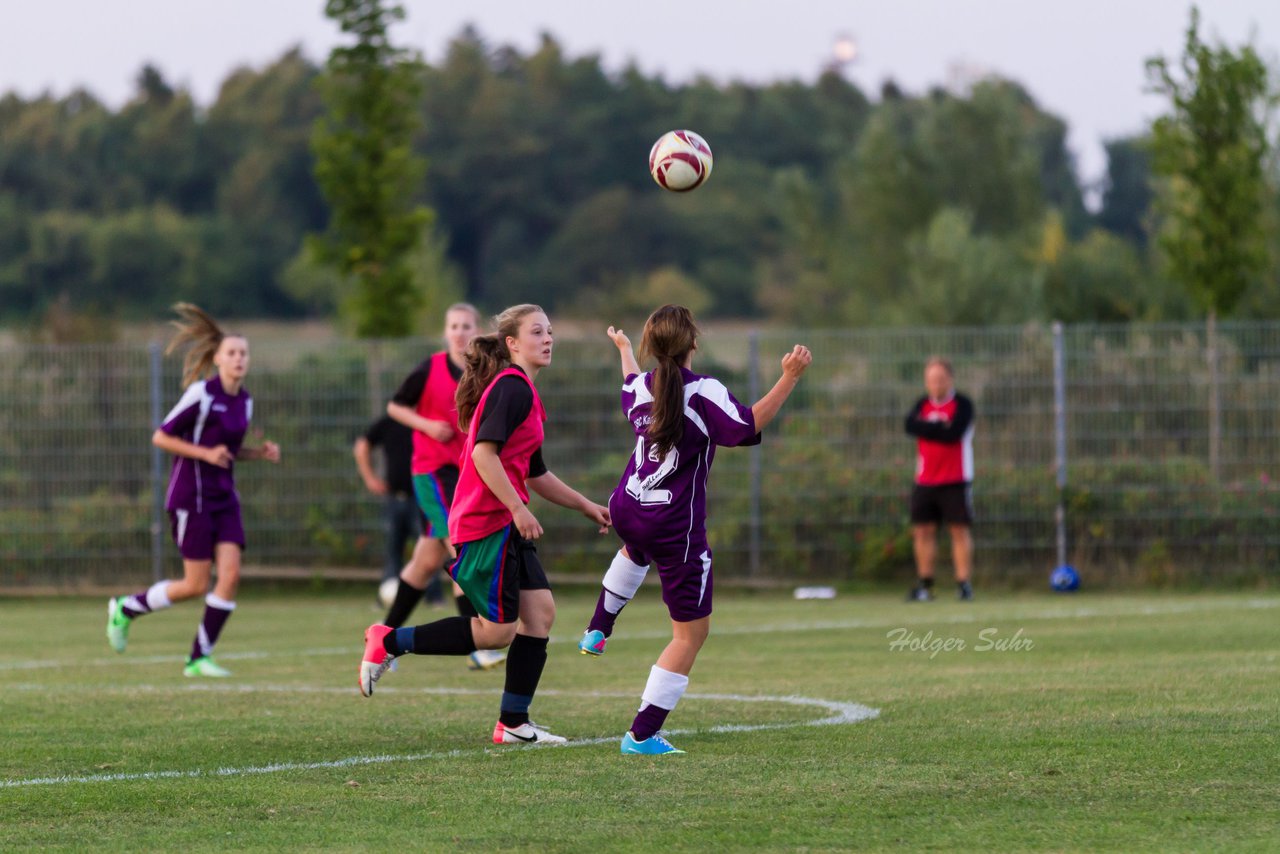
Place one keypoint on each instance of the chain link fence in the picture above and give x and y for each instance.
(1140, 459)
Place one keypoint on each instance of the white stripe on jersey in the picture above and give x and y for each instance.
(194, 393)
(197, 394)
(709, 388)
(966, 455)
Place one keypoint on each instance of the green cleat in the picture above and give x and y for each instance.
(117, 624)
(205, 666)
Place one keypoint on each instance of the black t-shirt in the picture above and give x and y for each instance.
(410, 391)
(509, 404)
(396, 441)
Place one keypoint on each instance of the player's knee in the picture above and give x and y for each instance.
(177, 591)
(499, 636)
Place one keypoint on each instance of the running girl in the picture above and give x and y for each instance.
(492, 528)
(205, 433)
(659, 509)
(425, 402)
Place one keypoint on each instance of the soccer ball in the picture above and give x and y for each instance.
(387, 591)
(680, 161)
(1064, 579)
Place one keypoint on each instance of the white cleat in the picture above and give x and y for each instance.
(526, 733)
(375, 661)
(485, 659)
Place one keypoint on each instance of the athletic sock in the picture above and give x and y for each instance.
(525, 660)
(465, 608)
(661, 694)
(450, 636)
(216, 612)
(154, 598)
(407, 597)
(926, 583)
(619, 587)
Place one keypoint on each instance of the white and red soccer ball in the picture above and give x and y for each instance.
(680, 161)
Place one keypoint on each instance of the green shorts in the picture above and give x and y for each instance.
(492, 571)
(434, 493)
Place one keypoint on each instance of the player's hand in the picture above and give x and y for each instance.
(795, 362)
(620, 338)
(270, 452)
(439, 430)
(599, 514)
(526, 524)
(376, 485)
(218, 456)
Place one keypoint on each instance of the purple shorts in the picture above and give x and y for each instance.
(197, 533)
(686, 584)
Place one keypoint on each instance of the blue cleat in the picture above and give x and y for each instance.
(592, 643)
(654, 745)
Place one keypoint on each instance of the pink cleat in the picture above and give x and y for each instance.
(376, 659)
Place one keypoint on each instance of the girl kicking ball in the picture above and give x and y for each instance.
(205, 433)
(491, 527)
(659, 508)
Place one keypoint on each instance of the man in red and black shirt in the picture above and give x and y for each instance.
(942, 422)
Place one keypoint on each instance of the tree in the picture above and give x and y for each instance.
(366, 167)
(1126, 193)
(1211, 148)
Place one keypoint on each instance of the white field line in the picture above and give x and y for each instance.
(839, 713)
(913, 613)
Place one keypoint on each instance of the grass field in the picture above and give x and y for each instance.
(1120, 722)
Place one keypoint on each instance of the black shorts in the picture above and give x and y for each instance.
(951, 503)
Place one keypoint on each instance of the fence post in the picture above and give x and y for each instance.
(1060, 437)
(754, 460)
(155, 367)
(1215, 398)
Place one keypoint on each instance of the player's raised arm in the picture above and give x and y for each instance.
(623, 343)
(793, 366)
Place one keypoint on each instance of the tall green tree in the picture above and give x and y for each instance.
(367, 170)
(1211, 149)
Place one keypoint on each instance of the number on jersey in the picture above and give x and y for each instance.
(645, 490)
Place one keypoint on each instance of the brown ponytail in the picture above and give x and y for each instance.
(486, 357)
(197, 328)
(670, 334)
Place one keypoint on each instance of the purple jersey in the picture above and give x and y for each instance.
(206, 416)
(661, 502)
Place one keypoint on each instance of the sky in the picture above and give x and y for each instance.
(1081, 59)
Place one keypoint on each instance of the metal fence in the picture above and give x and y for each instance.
(1163, 461)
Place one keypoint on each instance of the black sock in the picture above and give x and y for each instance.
(926, 583)
(465, 608)
(406, 597)
(525, 660)
(450, 636)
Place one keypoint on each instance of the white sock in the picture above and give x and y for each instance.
(158, 596)
(664, 689)
(622, 581)
(215, 601)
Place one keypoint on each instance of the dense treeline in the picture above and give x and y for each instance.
(827, 206)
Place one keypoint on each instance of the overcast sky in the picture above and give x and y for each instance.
(1081, 59)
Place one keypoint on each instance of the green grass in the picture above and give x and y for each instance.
(1132, 723)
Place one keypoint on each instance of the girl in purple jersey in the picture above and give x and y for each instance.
(659, 508)
(205, 433)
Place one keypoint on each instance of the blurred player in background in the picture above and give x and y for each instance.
(492, 528)
(942, 423)
(425, 403)
(205, 433)
(401, 517)
(659, 508)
